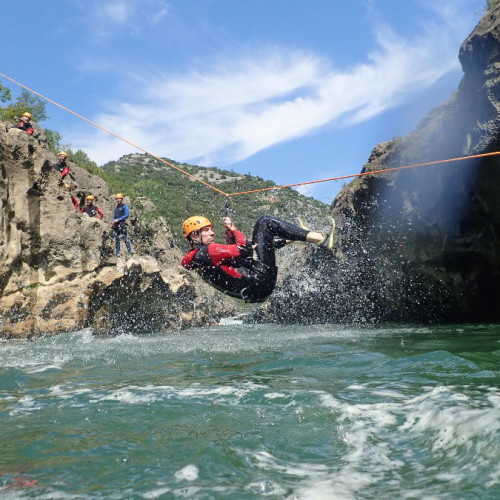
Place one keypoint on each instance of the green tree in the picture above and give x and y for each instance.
(54, 139)
(5, 94)
(27, 101)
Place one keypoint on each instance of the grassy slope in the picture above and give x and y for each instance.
(177, 197)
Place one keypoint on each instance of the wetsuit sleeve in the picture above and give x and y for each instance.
(235, 237)
(99, 211)
(65, 171)
(75, 202)
(187, 260)
(30, 131)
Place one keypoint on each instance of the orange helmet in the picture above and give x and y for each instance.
(194, 223)
(27, 114)
(63, 153)
(89, 197)
(119, 196)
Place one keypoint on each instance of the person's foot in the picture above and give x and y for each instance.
(328, 241)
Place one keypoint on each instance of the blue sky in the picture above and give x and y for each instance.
(289, 90)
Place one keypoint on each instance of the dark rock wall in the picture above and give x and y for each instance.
(421, 244)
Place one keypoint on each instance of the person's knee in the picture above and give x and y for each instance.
(264, 221)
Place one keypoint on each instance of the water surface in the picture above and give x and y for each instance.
(254, 411)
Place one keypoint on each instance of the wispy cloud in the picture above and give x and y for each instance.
(106, 19)
(236, 109)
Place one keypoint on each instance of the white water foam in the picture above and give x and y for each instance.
(188, 473)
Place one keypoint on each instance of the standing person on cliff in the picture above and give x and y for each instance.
(61, 166)
(25, 123)
(90, 209)
(233, 268)
(120, 215)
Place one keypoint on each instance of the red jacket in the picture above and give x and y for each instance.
(27, 127)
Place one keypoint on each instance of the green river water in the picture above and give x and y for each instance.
(254, 411)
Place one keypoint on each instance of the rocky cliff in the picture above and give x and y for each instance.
(57, 269)
(420, 244)
(414, 245)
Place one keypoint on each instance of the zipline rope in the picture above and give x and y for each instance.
(171, 165)
(116, 135)
(373, 172)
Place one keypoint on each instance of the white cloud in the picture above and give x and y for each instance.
(239, 108)
(105, 19)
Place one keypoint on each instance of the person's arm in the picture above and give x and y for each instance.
(99, 211)
(65, 171)
(233, 235)
(125, 214)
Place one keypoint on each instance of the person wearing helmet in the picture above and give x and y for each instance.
(233, 268)
(61, 166)
(120, 215)
(90, 209)
(25, 123)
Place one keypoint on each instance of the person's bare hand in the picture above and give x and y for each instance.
(228, 223)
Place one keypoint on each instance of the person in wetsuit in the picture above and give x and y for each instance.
(25, 123)
(233, 268)
(61, 166)
(90, 209)
(120, 215)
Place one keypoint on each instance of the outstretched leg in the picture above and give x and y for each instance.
(266, 228)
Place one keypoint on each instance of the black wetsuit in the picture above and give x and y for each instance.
(232, 269)
(62, 167)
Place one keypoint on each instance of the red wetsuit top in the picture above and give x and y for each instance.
(27, 127)
(230, 268)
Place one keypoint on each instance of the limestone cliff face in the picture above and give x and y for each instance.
(57, 269)
(420, 244)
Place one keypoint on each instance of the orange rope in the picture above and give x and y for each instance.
(392, 169)
(117, 136)
(366, 173)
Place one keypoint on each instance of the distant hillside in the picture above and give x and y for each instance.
(177, 196)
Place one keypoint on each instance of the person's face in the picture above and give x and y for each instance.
(25, 118)
(62, 157)
(119, 201)
(205, 235)
(89, 202)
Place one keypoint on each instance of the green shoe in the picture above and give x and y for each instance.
(302, 225)
(328, 241)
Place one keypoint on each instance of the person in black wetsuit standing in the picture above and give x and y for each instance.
(232, 268)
